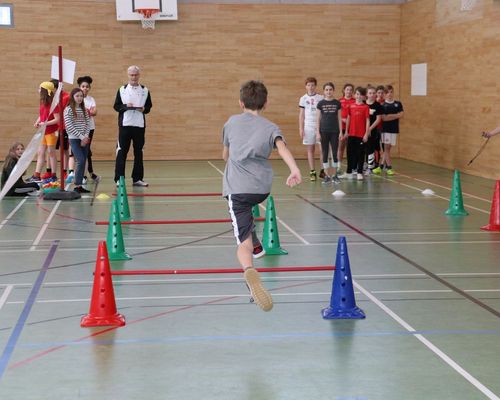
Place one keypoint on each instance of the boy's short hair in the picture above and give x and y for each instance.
(388, 87)
(253, 95)
(380, 87)
(361, 90)
(329, 84)
(311, 79)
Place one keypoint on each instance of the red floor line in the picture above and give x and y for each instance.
(184, 308)
(174, 221)
(171, 194)
(220, 270)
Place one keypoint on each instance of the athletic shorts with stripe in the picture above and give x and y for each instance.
(240, 210)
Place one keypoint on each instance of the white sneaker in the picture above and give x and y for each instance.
(260, 295)
(140, 183)
(359, 177)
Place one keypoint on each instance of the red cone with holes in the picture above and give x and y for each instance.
(494, 224)
(102, 305)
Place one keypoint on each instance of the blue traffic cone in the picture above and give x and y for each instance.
(342, 302)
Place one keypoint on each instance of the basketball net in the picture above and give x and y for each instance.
(147, 20)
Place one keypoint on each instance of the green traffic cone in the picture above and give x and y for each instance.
(456, 201)
(256, 211)
(123, 200)
(114, 239)
(270, 237)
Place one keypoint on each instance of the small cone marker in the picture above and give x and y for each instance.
(428, 192)
(338, 193)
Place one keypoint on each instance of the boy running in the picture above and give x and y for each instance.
(248, 140)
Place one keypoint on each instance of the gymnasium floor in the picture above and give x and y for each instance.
(428, 283)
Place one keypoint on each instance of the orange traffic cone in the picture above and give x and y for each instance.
(102, 305)
(494, 224)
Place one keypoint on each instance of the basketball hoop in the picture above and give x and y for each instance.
(148, 22)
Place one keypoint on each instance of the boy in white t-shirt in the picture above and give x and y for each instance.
(308, 122)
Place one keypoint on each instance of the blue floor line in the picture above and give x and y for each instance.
(16, 332)
(281, 336)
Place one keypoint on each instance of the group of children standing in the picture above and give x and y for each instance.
(77, 127)
(364, 120)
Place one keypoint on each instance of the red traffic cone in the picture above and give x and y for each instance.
(102, 305)
(494, 224)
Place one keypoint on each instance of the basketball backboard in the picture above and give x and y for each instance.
(126, 9)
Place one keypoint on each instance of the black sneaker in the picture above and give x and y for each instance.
(80, 189)
(326, 179)
(258, 251)
(322, 174)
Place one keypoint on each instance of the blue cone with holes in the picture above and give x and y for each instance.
(342, 301)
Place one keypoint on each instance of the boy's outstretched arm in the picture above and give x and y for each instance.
(494, 132)
(294, 178)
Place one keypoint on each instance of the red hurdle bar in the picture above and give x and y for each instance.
(220, 270)
(171, 194)
(174, 221)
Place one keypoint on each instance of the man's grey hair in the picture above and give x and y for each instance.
(133, 68)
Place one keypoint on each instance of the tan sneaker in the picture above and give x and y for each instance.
(260, 295)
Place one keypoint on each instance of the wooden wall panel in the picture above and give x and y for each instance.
(463, 57)
(194, 66)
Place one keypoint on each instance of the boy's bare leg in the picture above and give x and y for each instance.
(310, 156)
(387, 154)
(260, 295)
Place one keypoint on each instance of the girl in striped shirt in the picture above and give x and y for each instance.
(77, 122)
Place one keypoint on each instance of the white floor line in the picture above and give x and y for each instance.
(285, 245)
(45, 226)
(482, 388)
(292, 231)
(275, 294)
(214, 167)
(5, 295)
(436, 195)
(230, 237)
(445, 187)
(266, 278)
(12, 213)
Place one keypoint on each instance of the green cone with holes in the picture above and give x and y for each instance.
(256, 211)
(123, 200)
(456, 201)
(270, 237)
(114, 240)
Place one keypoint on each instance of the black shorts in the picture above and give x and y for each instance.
(65, 140)
(240, 210)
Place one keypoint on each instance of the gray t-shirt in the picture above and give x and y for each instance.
(250, 139)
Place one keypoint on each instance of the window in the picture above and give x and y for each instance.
(6, 16)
